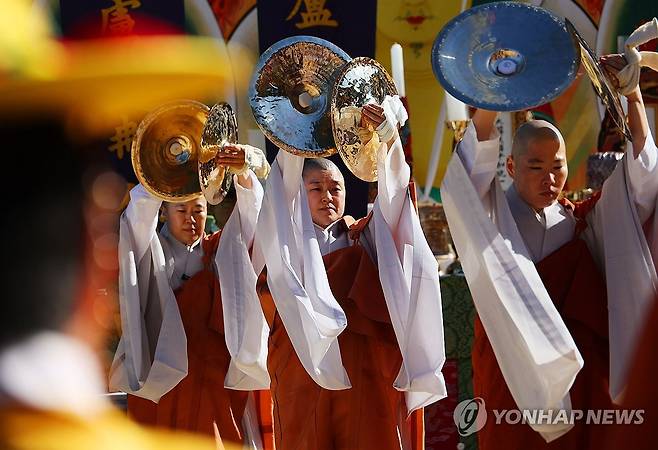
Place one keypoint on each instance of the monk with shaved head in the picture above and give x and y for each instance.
(555, 324)
(355, 348)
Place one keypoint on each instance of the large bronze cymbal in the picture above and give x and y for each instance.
(290, 94)
(165, 150)
(360, 82)
(221, 128)
(602, 86)
(505, 56)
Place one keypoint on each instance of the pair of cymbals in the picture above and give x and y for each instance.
(174, 149)
(510, 56)
(299, 87)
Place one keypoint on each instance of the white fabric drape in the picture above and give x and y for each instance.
(297, 278)
(245, 328)
(533, 347)
(151, 357)
(409, 276)
(144, 284)
(629, 76)
(285, 237)
(628, 200)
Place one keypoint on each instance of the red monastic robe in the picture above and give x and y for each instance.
(366, 416)
(578, 290)
(199, 401)
(641, 395)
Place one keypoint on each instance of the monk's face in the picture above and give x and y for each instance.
(325, 190)
(540, 172)
(186, 220)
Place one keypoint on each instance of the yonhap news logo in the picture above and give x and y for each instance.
(470, 416)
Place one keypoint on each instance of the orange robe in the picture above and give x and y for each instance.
(578, 290)
(641, 394)
(366, 416)
(200, 400)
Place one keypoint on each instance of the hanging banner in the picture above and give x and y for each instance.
(103, 18)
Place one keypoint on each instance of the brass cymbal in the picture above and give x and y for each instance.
(165, 150)
(221, 128)
(360, 82)
(290, 94)
(600, 82)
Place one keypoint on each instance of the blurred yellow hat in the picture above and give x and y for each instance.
(98, 79)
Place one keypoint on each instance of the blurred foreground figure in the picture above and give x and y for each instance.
(62, 238)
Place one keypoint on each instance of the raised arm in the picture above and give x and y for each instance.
(392, 170)
(148, 307)
(643, 166)
(408, 271)
(484, 122)
(248, 163)
(637, 114)
(141, 216)
(245, 328)
(479, 150)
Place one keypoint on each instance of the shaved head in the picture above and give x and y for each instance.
(534, 130)
(186, 220)
(312, 164)
(538, 163)
(200, 198)
(325, 190)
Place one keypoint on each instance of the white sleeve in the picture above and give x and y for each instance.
(142, 218)
(245, 328)
(643, 176)
(151, 357)
(480, 158)
(249, 202)
(392, 182)
(409, 276)
(296, 276)
(624, 248)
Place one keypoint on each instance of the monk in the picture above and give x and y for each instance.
(550, 279)
(355, 347)
(172, 307)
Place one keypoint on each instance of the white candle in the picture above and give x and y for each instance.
(397, 67)
(455, 109)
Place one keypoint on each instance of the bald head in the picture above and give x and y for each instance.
(538, 163)
(200, 199)
(313, 164)
(534, 130)
(186, 220)
(325, 190)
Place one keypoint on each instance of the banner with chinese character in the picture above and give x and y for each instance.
(348, 24)
(102, 18)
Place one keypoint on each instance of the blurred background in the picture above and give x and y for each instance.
(104, 111)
